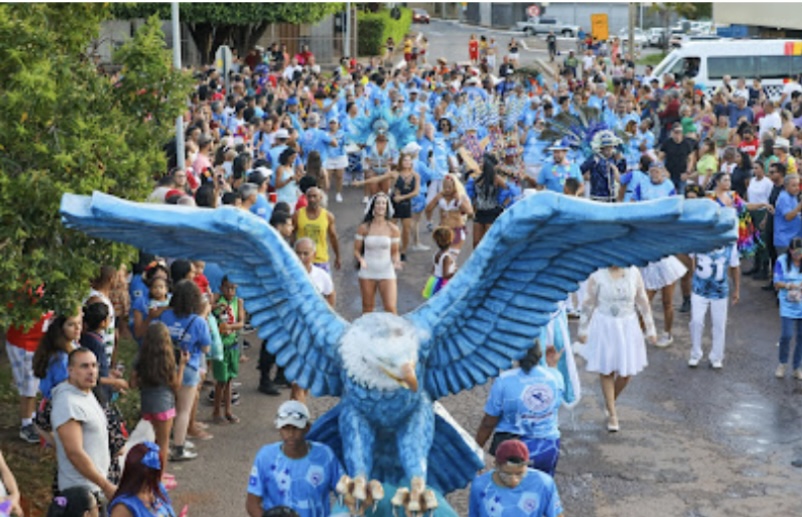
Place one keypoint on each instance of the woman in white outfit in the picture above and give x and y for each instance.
(609, 324)
(376, 250)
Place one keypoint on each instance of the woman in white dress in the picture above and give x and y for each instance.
(376, 250)
(609, 324)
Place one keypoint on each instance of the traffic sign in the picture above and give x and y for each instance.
(223, 60)
(600, 28)
(533, 11)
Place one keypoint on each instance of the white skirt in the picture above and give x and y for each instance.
(615, 345)
(338, 162)
(657, 275)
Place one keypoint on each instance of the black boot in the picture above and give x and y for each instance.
(268, 388)
(686, 304)
(280, 380)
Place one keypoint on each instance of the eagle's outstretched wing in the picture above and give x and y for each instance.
(533, 256)
(299, 326)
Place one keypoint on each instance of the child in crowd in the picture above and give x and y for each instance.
(445, 262)
(158, 377)
(157, 299)
(198, 266)
(96, 316)
(230, 314)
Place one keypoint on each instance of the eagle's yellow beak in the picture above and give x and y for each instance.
(407, 379)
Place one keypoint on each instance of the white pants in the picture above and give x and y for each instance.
(718, 316)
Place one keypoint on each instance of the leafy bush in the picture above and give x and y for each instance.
(374, 29)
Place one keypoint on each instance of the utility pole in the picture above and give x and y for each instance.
(347, 31)
(632, 31)
(179, 120)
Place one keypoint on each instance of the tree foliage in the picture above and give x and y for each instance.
(239, 25)
(68, 128)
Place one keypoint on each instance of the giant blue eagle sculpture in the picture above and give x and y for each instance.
(389, 370)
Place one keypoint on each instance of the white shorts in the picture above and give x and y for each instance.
(22, 369)
(339, 162)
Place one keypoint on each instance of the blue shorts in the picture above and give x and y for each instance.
(544, 453)
(191, 376)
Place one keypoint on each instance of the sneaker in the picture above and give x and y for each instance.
(780, 371)
(365, 200)
(686, 305)
(246, 345)
(693, 363)
(338, 197)
(182, 454)
(234, 397)
(235, 384)
(798, 374)
(210, 396)
(189, 445)
(420, 247)
(29, 434)
(665, 340)
(716, 365)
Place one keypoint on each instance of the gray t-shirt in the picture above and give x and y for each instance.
(70, 403)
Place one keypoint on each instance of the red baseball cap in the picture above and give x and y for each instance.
(515, 450)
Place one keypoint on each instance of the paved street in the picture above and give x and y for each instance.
(692, 442)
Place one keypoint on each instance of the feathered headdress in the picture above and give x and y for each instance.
(514, 107)
(475, 114)
(399, 131)
(578, 131)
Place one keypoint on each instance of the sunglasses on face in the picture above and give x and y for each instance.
(292, 414)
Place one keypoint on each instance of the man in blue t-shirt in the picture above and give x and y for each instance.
(711, 289)
(296, 473)
(512, 489)
(553, 174)
(787, 221)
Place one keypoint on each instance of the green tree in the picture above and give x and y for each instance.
(239, 25)
(69, 128)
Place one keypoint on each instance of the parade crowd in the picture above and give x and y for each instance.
(438, 151)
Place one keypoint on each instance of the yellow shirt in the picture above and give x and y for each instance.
(317, 230)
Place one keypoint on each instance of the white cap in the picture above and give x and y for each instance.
(782, 143)
(282, 133)
(292, 413)
(411, 148)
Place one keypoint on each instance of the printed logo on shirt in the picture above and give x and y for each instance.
(528, 502)
(315, 476)
(537, 398)
(253, 480)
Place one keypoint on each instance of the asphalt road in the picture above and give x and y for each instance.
(692, 442)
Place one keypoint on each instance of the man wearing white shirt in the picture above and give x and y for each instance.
(770, 120)
(293, 67)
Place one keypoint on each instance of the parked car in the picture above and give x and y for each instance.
(537, 25)
(420, 15)
(656, 36)
(640, 37)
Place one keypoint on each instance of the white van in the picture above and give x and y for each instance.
(707, 62)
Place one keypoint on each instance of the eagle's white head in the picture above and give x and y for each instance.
(380, 351)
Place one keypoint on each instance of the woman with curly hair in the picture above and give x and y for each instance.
(158, 377)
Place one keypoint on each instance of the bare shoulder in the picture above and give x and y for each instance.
(394, 231)
(362, 229)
